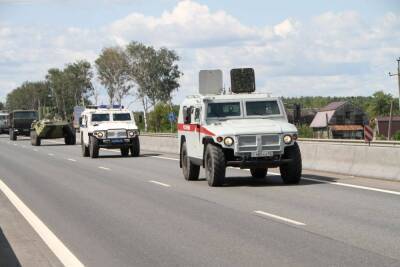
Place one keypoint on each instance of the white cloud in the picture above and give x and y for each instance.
(330, 54)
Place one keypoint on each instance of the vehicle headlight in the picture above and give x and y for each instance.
(287, 139)
(228, 141)
(131, 133)
(99, 134)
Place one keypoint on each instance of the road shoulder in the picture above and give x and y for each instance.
(20, 245)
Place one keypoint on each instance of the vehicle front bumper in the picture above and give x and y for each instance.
(249, 163)
(116, 143)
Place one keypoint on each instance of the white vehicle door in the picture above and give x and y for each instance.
(197, 144)
(84, 130)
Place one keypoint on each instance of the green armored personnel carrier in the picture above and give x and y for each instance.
(51, 129)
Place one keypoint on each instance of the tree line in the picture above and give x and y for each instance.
(376, 105)
(150, 75)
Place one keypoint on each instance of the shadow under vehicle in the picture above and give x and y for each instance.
(20, 121)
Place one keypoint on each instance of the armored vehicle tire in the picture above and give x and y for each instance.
(85, 149)
(94, 147)
(13, 135)
(190, 171)
(135, 149)
(291, 172)
(125, 151)
(259, 173)
(215, 165)
(35, 140)
(70, 137)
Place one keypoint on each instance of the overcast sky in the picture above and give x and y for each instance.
(297, 48)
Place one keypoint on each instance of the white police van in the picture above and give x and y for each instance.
(239, 129)
(108, 127)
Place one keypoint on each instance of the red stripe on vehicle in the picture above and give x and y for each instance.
(194, 128)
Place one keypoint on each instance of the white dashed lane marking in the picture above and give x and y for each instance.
(159, 183)
(270, 215)
(104, 168)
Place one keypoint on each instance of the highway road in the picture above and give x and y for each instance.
(115, 211)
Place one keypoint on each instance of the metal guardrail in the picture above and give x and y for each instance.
(333, 141)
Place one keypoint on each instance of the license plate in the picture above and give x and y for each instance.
(117, 141)
(262, 154)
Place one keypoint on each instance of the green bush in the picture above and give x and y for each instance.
(396, 136)
(305, 131)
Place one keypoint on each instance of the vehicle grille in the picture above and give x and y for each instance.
(252, 143)
(116, 133)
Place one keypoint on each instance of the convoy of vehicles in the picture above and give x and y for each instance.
(239, 129)
(20, 121)
(51, 129)
(108, 128)
(3, 122)
(216, 130)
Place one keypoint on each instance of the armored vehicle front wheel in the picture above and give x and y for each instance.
(125, 151)
(94, 147)
(190, 171)
(70, 137)
(135, 149)
(215, 165)
(85, 149)
(259, 173)
(291, 172)
(13, 135)
(35, 139)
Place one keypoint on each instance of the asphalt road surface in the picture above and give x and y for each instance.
(115, 211)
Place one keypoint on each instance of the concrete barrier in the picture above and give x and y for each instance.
(348, 157)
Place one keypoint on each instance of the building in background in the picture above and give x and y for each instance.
(382, 126)
(339, 120)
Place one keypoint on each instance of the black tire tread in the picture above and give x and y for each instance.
(219, 168)
(291, 172)
(191, 172)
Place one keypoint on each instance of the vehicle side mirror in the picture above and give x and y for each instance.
(187, 115)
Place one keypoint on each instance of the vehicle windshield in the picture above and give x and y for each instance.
(101, 117)
(121, 117)
(25, 115)
(221, 110)
(262, 108)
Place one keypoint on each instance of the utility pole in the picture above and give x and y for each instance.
(390, 121)
(398, 76)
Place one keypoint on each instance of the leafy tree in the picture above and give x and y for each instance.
(154, 72)
(380, 103)
(305, 131)
(158, 118)
(70, 87)
(79, 76)
(396, 136)
(113, 68)
(30, 95)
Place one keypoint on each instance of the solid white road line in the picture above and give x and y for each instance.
(349, 185)
(72, 160)
(317, 180)
(56, 246)
(279, 217)
(104, 168)
(159, 183)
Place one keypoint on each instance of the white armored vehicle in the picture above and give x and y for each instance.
(108, 127)
(239, 129)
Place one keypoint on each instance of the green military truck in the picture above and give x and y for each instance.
(20, 121)
(51, 129)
